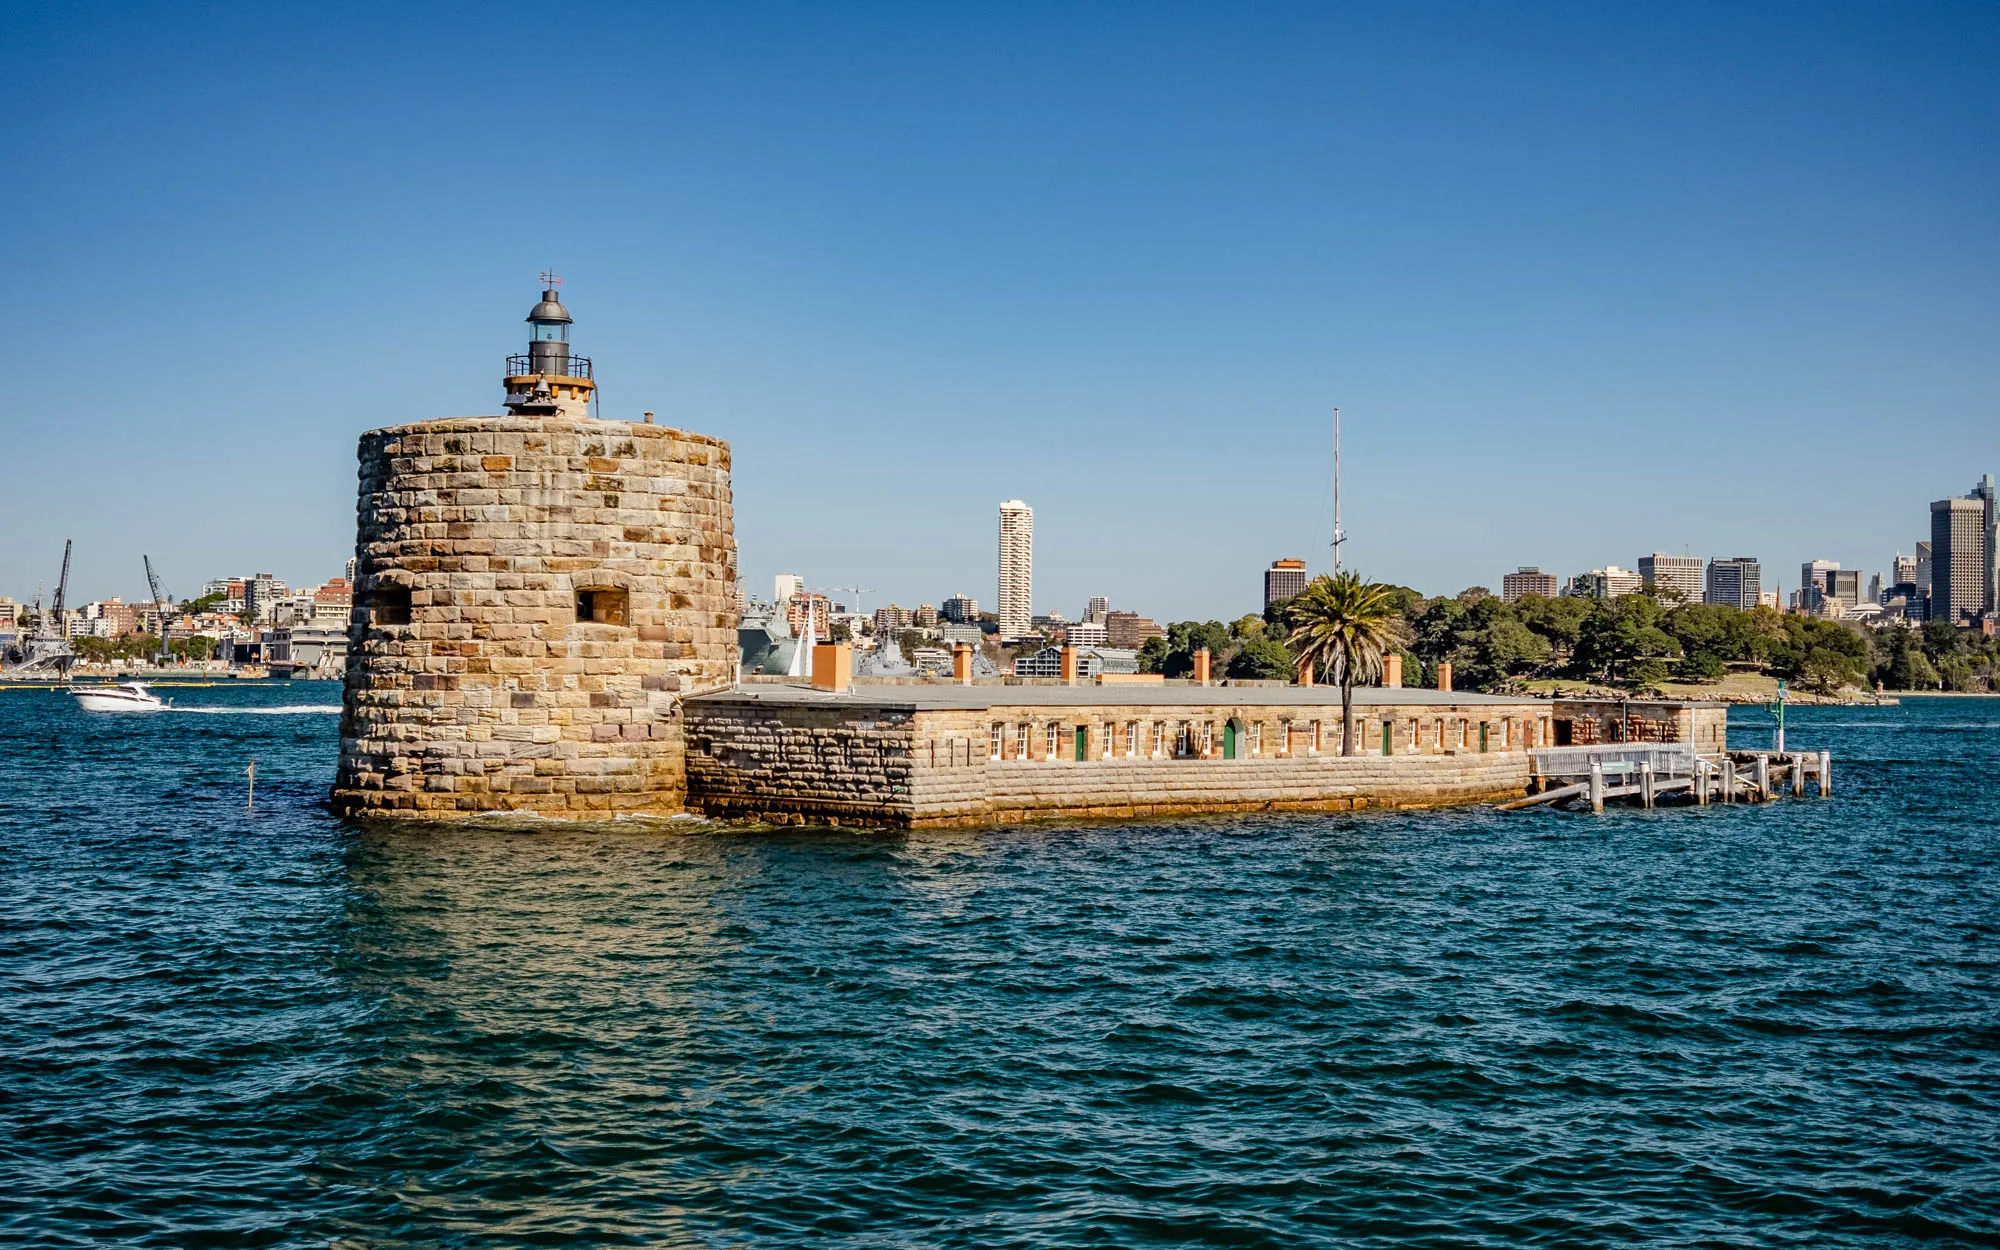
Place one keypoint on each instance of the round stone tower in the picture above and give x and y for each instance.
(534, 594)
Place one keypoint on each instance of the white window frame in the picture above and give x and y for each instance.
(1055, 742)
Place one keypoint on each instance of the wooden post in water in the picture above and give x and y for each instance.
(1763, 778)
(1646, 783)
(1700, 782)
(250, 796)
(1597, 787)
(1826, 774)
(1728, 780)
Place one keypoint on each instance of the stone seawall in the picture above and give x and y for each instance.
(906, 768)
(533, 597)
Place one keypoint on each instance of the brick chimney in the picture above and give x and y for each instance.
(1067, 659)
(1444, 674)
(1305, 673)
(961, 663)
(833, 666)
(1392, 671)
(1201, 666)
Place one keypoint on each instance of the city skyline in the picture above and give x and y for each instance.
(1118, 263)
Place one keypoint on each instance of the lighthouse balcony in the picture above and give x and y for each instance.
(524, 367)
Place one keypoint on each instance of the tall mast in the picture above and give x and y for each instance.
(1339, 535)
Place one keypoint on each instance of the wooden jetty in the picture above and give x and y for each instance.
(1649, 773)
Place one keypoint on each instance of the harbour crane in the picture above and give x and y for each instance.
(162, 604)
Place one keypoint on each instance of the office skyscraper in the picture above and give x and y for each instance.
(1681, 573)
(1283, 579)
(1017, 569)
(1737, 582)
(1961, 570)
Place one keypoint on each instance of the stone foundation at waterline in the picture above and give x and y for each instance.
(913, 757)
(534, 597)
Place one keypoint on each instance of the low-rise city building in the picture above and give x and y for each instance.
(1605, 583)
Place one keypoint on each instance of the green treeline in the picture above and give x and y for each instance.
(1635, 642)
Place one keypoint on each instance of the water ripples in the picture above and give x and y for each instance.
(1722, 1027)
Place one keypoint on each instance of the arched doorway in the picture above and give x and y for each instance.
(1233, 735)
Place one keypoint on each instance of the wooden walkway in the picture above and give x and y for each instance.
(1650, 772)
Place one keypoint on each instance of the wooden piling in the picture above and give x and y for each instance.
(1597, 787)
(1646, 793)
(1826, 774)
(1763, 778)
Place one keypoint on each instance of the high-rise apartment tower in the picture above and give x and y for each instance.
(1017, 569)
(1528, 580)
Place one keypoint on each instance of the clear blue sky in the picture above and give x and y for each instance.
(1587, 280)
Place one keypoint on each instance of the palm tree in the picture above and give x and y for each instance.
(1343, 626)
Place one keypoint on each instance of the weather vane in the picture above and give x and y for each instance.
(549, 278)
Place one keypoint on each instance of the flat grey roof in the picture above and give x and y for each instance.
(942, 697)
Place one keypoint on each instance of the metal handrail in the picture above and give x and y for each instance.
(523, 366)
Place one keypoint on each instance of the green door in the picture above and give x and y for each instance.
(1082, 741)
(1387, 729)
(1482, 735)
(1229, 741)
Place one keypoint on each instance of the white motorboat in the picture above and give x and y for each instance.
(130, 696)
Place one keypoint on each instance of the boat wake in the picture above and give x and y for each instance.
(289, 709)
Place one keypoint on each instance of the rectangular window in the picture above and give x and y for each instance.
(601, 606)
(1131, 739)
(1055, 745)
(389, 604)
(1022, 748)
(1159, 738)
(1257, 738)
(1109, 729)
(999, 733)
(1316, 738)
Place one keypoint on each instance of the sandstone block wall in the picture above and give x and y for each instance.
(913, 768)
(472, 684)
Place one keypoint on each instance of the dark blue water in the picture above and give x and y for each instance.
(1714, 1027)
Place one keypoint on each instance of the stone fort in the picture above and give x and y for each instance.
(535, 593)
(546, 621)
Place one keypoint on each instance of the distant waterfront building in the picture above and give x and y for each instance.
(1683, 574)
(1098, 608)
(1823, 580)
(889, 618)
(1528, 580)
(1087, 634)
(960, 610)
(784, 586)
(969, 634)
(1129, 631)
(1608, 582)
(1284, 579)
(1959, 567)
(260, 597)
(1090, 661)
(925, 617)
(1736, 582)
(1017, 569)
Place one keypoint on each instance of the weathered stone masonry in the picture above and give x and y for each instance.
(534, 597)
(885, 759)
